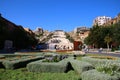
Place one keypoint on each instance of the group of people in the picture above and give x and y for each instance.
(86, 49)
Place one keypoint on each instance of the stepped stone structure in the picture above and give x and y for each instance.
(59, 41)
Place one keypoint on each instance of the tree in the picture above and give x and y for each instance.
(97, 35)
(107, 40)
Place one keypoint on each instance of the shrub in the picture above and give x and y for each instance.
(109, 68)
(14, 64)
(39, 66)
(80, 66)
(1, 60)
(1, 65)
(95, 75)
(95, 61)
(2, 57)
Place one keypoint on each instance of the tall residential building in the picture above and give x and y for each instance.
(101, 20)
(114, 20)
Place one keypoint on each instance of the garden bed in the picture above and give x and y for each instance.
(105, 57)
(95, 75)
(80, 66)
(49, 66)
(19, 62)
(96, 60)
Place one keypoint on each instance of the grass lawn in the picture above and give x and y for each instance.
(23, 74)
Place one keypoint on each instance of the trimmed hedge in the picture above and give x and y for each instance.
(39, 66)
(1, 57)
(1, 65)
(95, 75)
(1, 60)
(95, 61)
(80, 66)
(14, 64)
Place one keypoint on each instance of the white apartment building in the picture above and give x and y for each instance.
(101, 20)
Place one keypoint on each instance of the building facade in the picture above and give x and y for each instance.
(101, 20)
(113, 20)
(81, 33)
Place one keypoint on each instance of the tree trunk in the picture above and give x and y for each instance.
(107, 47)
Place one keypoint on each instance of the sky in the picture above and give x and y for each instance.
(57, 14)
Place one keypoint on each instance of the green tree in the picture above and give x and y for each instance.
(97, 35)
(116, 34)
(107, 40)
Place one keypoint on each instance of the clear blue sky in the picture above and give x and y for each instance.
(57, 14)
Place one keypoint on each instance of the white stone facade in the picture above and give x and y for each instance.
(101, 20)
(59, 41)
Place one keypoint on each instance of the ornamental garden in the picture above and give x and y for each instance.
(57, 66)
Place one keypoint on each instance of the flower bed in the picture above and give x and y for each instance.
(55, 58)
(104, 57)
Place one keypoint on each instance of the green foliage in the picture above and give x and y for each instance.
(40, 66)
(109, 68)
(23, 74)
(99, 36)
(18, 63)
(80, 66)
(1, 57)
(95, 75)
(96, 61)
(1, 65)
(108, 39)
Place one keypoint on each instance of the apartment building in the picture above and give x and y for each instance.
(101, 20)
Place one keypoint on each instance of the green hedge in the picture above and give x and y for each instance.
(95, 61)
(14, 64)
(80, 66)
(1, 65)
(1, 57)
(95, 75)
(39, 66)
